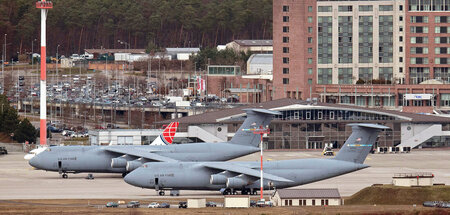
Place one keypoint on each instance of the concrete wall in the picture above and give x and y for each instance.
(237, 202)
(196, 203)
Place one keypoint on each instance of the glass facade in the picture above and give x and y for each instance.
(365, 39)
(386, 39)
(428, 5)
(345, 39)
(224, 70)
(325, 45)
(324, 76)
(418, 75)
(312, 128)
(345, 75)
(366, 74)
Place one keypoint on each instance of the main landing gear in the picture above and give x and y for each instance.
(243, 192)
(64, 175)
(162, 193)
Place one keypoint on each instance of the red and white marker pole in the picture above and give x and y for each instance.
(44, 6)
(260, 131)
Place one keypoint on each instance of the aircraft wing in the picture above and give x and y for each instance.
(243, 170)
(141, 154)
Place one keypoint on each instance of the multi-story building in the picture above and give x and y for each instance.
(375, 53)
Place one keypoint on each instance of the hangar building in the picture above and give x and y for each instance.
(310, 125)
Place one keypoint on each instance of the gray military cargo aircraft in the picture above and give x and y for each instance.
(124, 159)
(230, 177)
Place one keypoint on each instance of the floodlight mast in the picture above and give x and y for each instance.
(43, 6)
(261, 130)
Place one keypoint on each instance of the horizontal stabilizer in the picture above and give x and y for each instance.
(243, 170)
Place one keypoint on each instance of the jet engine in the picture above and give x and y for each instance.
(221, 178)
(132, 165)
(119, 162)
(237, 182)
(218, 179)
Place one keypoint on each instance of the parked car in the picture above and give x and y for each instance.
(252, 203)
(164, 205)
(112, 205)
(182, 205)
(431, 203)
(133, 204)
(3, 150)
(211, 204)
(153, 205)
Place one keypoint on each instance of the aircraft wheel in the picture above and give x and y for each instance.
(254, 192)
(65, 175)
(162, 193)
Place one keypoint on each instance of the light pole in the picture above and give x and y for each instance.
(57, 83)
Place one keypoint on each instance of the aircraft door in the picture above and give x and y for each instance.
(156, 183)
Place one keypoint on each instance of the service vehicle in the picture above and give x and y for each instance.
(153, 205)
(133, 204)
(112, 205)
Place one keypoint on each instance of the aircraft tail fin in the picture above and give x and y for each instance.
(255, 119)
(167, 135)
(360, 142)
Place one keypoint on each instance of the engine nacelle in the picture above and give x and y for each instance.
(119, 162)
(132, 165)
(218, 179)
(237, 182)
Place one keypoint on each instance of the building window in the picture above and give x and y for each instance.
(310, 29)
(365, 74)
(400, 59)
(442, 40)
(285, 39)
(385, 73)
(419, 50)
(310, 9)
(347, 8)
(309, 50)
(286, 29)
(285, 70)
(400, 69)
(400, 7)
(285, 80)
(419, 29)
(386, 8)
(400, 38)
(441, 30)
(285, 8)
(324, 9)
(364, 8)
(285, 49)
(442, 50)
(285, 18)
(419, 40)
(345, 75)
(442, 19)
(309, 71)
(400, 18)
(441, 60)
(400, 49)
(419, 19)
(310, 39)
(286, 60)
(418, 75)
(419, 60)
(324, 76)
(310, 61)
(313, 202)
(310, 19)
(310, 81)
(400, 28)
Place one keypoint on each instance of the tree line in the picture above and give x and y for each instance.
(10, 123)
(77, 25)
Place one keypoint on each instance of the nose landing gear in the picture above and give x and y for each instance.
(64, 175)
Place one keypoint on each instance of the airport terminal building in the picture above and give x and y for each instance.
(311, 125)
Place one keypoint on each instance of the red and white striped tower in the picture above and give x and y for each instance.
(261, 130)
(44, 6)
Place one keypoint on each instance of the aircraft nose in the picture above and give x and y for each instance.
(34, 162)
(133, 178)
